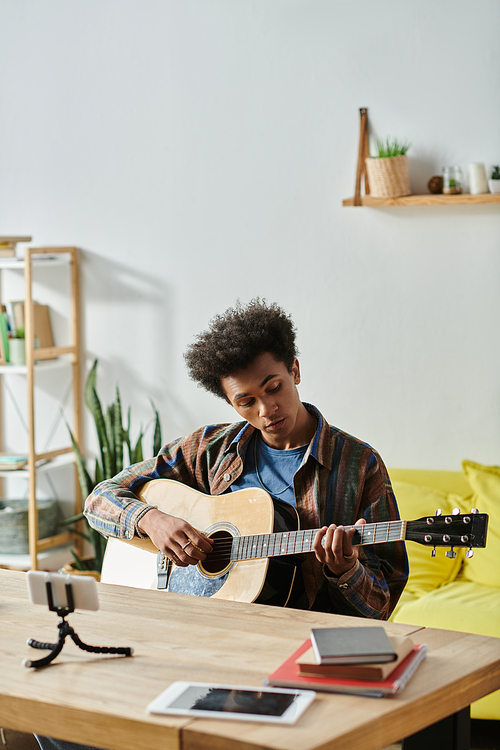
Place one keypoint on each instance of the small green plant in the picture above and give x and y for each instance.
(112, 437)
(495, 173)
(391, 147)
(19, 333)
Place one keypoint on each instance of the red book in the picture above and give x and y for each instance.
(288, 675)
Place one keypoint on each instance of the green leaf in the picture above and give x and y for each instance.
(391, 148)
(109, 422)
(126, 437)
(84, 478)
(78, 563)
(157, 444)
(118, 430)
(90, 385)
(137, 454)
(96, 410)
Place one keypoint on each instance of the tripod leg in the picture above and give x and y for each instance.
(123, 650)
(39, 644)
(57, 648)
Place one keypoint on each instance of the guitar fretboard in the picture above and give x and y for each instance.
(296, 542)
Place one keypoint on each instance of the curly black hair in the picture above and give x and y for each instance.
(235, 338)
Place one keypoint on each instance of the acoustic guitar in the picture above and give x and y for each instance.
(257, 544)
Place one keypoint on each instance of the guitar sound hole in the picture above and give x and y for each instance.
(220, 557)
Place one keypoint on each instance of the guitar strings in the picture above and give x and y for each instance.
(224, 547)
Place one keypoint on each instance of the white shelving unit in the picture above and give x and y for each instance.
(38, 361)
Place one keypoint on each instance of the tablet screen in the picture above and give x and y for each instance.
(227, 700)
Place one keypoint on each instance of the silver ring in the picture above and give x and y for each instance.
(187, 544)
(348, 557)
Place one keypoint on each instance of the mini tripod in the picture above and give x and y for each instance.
(64, 630)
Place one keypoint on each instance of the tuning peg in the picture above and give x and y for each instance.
(455, 512)
(451, 553)
(474, 510)
(433, 553)
(469, 553)
(439, 512)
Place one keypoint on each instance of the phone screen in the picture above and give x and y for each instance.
(225, 700)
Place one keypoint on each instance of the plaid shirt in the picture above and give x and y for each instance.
(341, 480)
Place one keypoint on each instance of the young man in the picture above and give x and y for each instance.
(248, 357)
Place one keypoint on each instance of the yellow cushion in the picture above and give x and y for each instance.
(466, 607)
(484, 568)
(426, 572)
(444, 481)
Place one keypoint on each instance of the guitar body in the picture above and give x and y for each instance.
(243, 513)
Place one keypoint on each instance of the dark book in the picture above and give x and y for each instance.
(363, 645)
(287, 675)
(307, 664)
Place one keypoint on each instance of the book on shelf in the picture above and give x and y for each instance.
(8, 245)
(308, 665)
(41, 313)
(4, 338)
(288, 675)
(352, 645)
(12, 462)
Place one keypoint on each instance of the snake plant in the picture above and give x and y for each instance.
(112, 438)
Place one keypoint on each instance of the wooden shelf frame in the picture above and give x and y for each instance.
(61, 456)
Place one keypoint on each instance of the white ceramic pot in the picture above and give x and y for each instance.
(17, 351)
(494, 186)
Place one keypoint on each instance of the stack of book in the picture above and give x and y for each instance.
(12, 462)
(360, 661)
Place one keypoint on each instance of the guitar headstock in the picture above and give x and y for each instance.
(455, 530)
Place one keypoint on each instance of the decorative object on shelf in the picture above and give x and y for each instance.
(435, 185)
(14, 537)
(452, 180)
(478, 183)
(494, 181)
(111, 436)
(8, 245)
(12, 462)
(388, 171)
(17, 348)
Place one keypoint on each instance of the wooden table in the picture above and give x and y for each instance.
(101, 700)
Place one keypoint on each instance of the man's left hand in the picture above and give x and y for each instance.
(333, 547)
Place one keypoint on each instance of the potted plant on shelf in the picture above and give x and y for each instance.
(17, 348)
(494, 181)
(388, 171)
(112, 437)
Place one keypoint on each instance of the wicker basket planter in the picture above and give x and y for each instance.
(73, 570)
(388, 176)
(14, 523)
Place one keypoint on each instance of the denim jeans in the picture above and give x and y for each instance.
(47, 743)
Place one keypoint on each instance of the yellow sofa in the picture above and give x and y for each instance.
(455, 594)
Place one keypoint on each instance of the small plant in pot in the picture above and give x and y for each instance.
(112, 438)
(494, 181)
(388, 171)
(17, 347)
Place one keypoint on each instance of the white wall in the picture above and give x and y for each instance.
(199, 151)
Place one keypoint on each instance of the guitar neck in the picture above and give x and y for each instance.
(297, 542)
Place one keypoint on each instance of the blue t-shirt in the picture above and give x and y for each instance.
(271, 469)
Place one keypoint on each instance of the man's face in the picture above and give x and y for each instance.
(265, 394)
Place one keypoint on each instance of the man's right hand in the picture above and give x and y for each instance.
(176, 538)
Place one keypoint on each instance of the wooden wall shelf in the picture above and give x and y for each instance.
(426, 200)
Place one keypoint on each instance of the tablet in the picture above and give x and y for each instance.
(203, 699)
